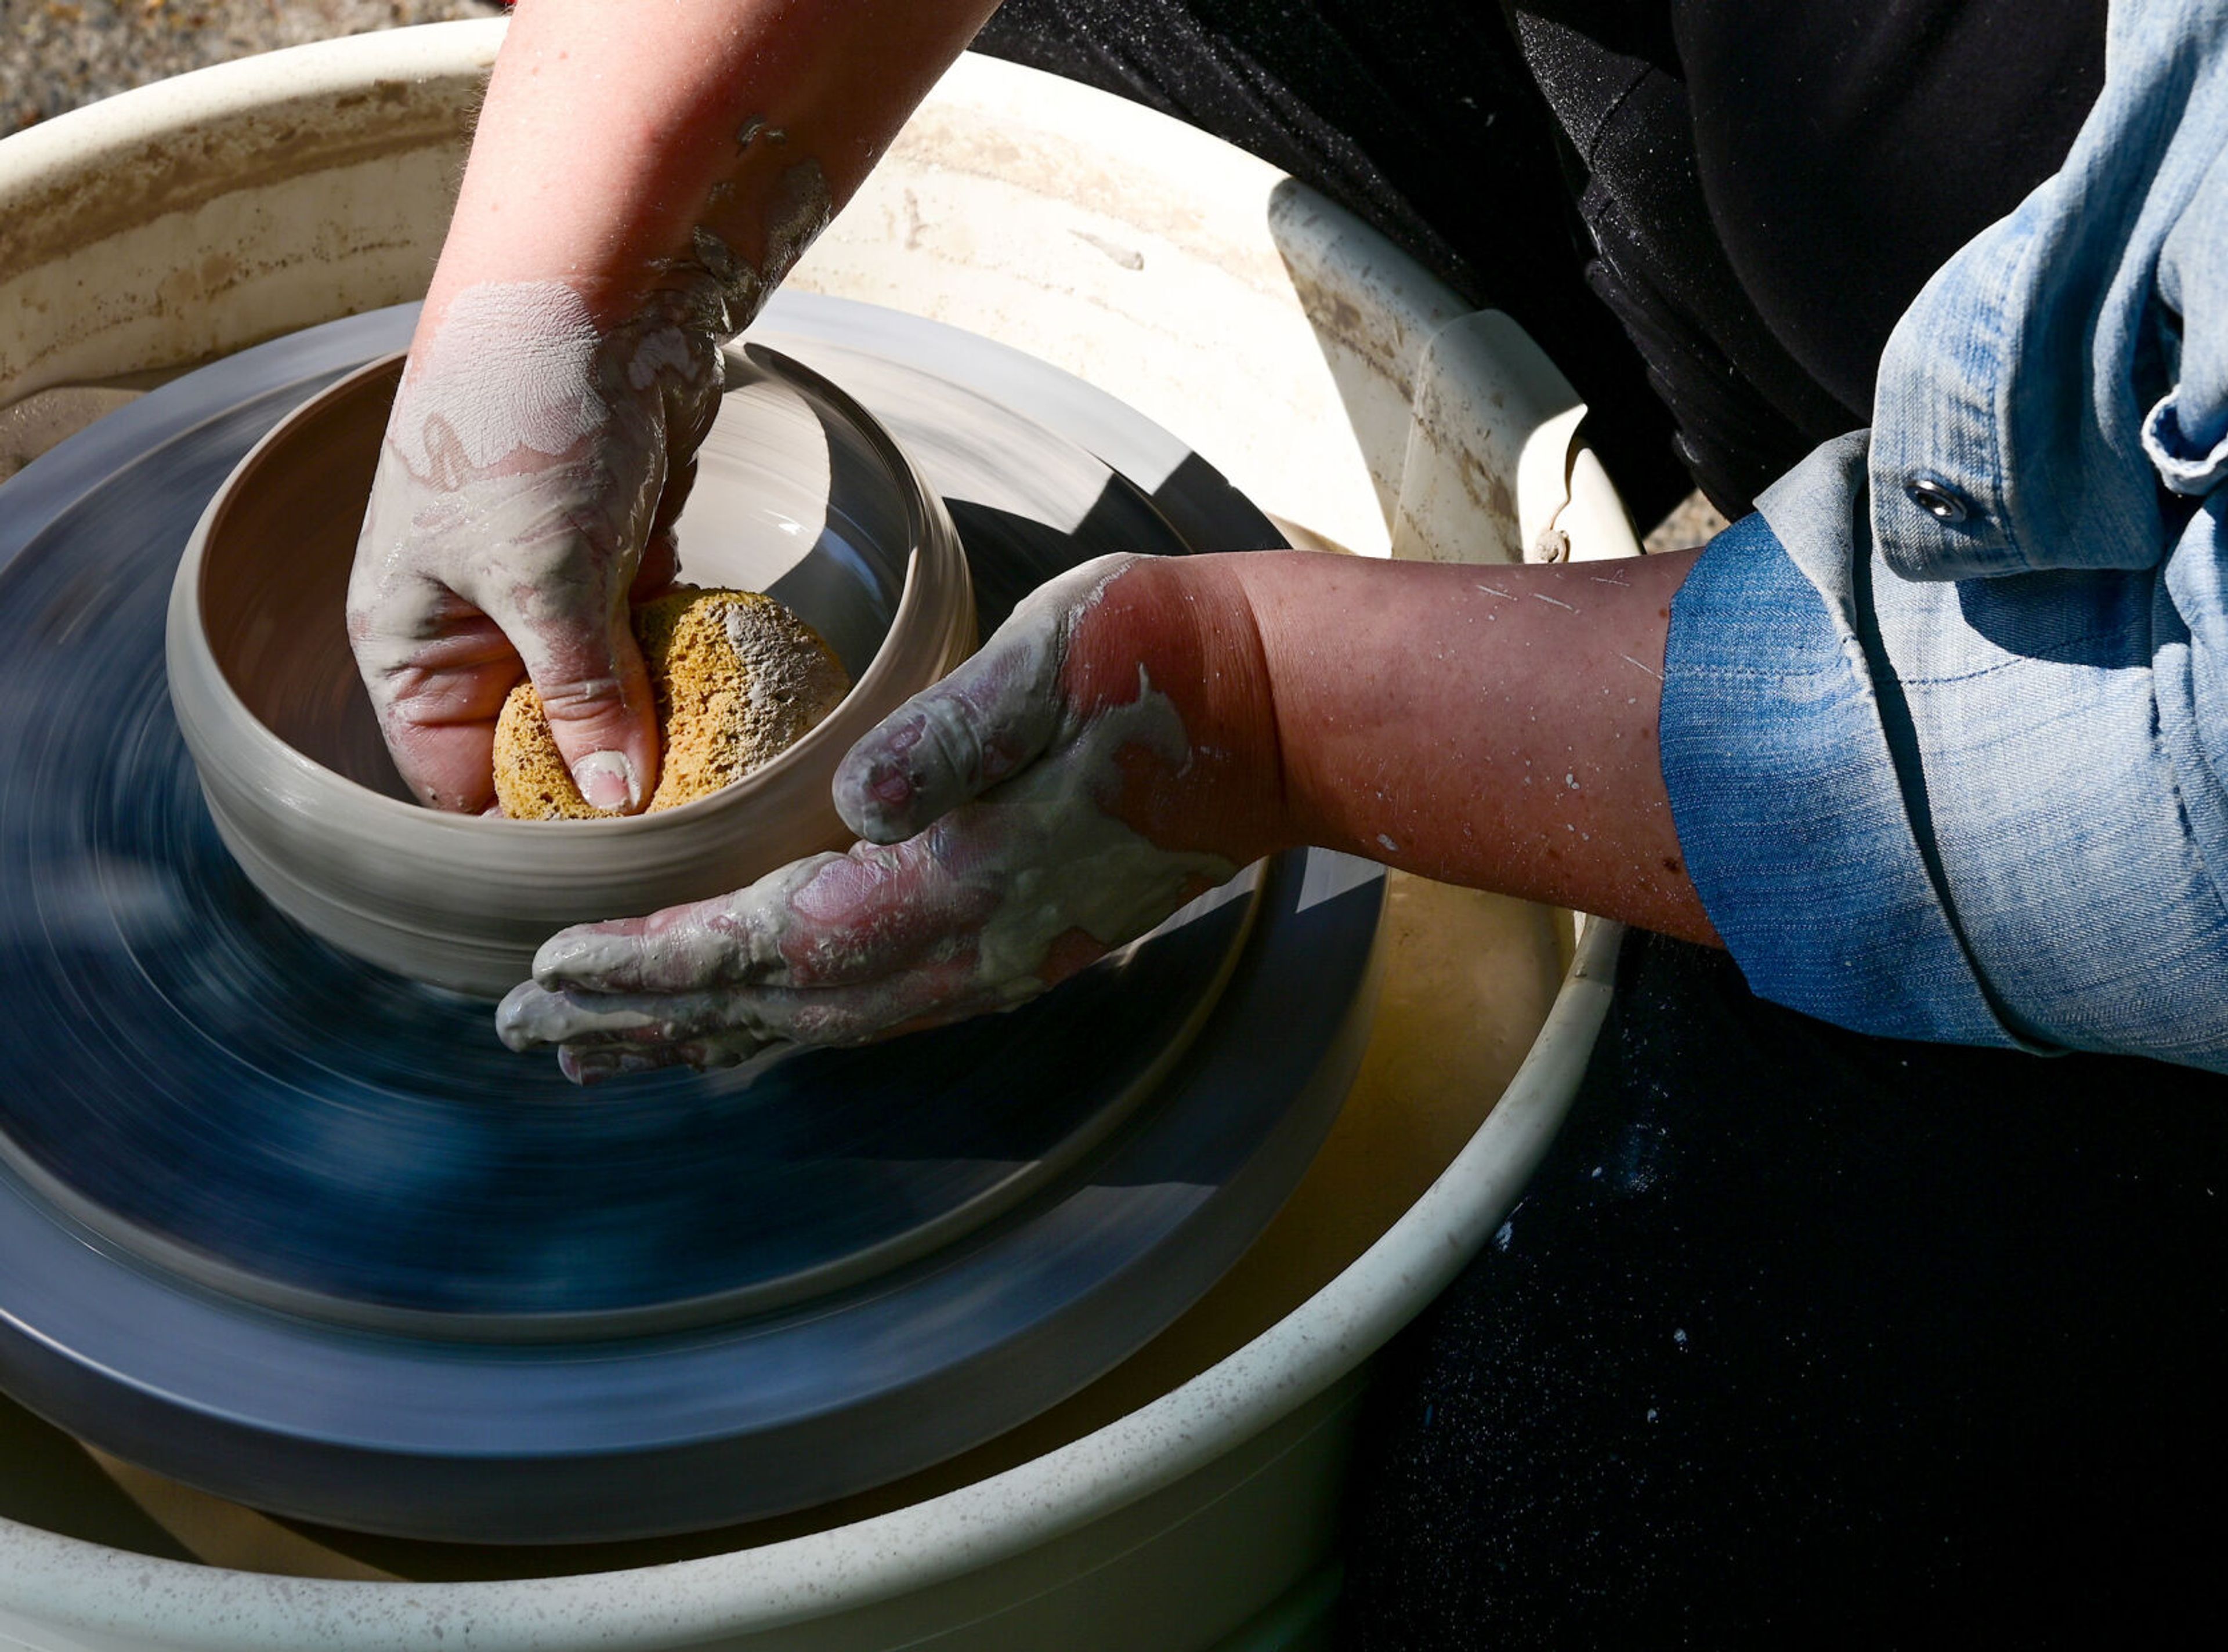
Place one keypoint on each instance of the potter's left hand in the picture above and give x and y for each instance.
(1111, 753)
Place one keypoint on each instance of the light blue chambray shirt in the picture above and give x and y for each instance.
(1945, 723)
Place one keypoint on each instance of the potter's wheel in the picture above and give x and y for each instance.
(303, 1233)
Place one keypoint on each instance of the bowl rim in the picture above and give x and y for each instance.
(928, 530)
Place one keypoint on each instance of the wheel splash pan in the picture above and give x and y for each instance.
(301, 1233)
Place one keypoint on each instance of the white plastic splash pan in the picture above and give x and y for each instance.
(1189, 1499)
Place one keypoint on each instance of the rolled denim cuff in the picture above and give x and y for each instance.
(1794, 827)
(2183, 464)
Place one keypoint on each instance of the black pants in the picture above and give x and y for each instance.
(1804, 1337)
(1797, 1334)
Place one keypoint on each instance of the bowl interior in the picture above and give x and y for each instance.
(790, 498)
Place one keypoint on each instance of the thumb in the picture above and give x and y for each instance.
(949, 743)
(595, 692)
(995, 714)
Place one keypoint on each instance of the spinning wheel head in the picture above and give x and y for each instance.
(301, 1233)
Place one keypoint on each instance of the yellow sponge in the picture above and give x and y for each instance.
(739, 678)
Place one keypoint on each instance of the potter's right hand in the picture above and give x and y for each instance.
(531, 471)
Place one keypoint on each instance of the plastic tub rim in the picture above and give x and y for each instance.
(891, 1554)
(68, 1583)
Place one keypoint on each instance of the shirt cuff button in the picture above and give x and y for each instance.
(1937, 499)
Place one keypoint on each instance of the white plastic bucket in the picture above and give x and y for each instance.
(1188, 1499)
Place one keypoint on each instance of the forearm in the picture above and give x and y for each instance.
(1136, 730)
(643, 176)
(613, 134)
(1491, 726)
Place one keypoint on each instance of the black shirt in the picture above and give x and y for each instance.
(1769, 184)
(1755, 189)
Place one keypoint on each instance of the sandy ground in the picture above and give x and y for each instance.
(55, 54)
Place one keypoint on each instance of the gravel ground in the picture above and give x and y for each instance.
(1693, 522)
(55, 54)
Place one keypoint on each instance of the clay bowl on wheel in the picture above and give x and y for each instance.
(799, 492)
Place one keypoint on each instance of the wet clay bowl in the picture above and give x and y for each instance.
(799, 492)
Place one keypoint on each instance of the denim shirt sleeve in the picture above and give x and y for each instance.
(2186, 433)
(2015, 393)
(1945, 725)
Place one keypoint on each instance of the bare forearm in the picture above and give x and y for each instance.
(1492, 726)
(613, 133)
(1156, 721)
(643, 176)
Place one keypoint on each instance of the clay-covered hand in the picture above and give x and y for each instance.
(532, 467)
(1107, 755)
